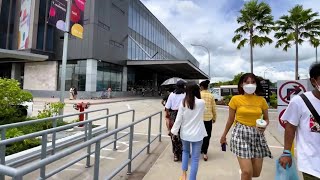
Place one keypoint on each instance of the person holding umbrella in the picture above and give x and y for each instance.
(171, 107)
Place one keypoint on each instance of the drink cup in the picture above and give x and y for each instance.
(260, 123)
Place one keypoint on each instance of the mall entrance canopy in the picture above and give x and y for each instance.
(172, 68)
(20, 56)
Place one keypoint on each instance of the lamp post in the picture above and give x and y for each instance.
(208, 56)
(264, 72)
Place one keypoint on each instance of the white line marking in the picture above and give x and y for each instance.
(277, 147)
(144, 134)
(104, 157)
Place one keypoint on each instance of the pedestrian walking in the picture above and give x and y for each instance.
(247, 141)
(209, 117)
(166, 96)
(109, 93)
(171, 107)
(303, 121)
(71, 93)
(75, 93)
(192, 130)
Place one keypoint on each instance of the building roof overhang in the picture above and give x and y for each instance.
(176, 68)
(20, 56)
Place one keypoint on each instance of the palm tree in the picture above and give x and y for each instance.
(256, 22)
(295, 28)
(315, 43)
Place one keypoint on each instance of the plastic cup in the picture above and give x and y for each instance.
(260, 123)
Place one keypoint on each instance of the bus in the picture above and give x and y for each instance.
(225, 90)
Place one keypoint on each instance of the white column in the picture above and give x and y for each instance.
(124, 78)
(91, 75)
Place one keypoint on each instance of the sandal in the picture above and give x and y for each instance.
(205, 157)
(175, 158)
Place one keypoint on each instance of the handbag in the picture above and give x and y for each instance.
(311, 108)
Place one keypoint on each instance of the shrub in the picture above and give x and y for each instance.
(19, 146)
(227, 99)
(273, 100)
(11, 96)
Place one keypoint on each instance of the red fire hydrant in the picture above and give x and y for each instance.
(81, 106)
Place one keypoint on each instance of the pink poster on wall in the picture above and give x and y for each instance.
(24, 24)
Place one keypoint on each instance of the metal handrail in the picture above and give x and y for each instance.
(54, 130)
(60, 128)
(18, 173)
(14, 125)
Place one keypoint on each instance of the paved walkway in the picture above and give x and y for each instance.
(221, 165)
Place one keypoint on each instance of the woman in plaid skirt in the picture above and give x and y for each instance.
(248, 142)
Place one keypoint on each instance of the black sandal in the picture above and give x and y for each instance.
(175, 158)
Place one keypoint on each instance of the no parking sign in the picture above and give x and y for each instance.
(286, 91)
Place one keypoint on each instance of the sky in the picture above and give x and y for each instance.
(212, 23)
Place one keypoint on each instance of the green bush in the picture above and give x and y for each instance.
(273, 100)
(19, 146)
(11, 96)
(227, 99)
(51, 109)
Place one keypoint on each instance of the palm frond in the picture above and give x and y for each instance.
(242, 43)
(236, 38)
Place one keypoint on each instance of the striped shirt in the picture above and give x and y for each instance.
(210, 111)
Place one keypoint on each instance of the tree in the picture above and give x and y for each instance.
(315, 43)
(300, 25)
(11, 96)
(256, 22)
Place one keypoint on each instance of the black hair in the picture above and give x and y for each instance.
(171, 89)
(314, 70)
(244, 78)
(180, 89)
(205, 84)
(192, 92)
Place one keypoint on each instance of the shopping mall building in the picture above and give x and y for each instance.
(124, 47)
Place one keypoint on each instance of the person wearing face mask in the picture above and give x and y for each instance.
(247, 141)
(305, 125)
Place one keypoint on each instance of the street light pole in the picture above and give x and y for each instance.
(208, 56)
(264, 72)
(65, 54)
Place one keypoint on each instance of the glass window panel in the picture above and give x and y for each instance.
(4, 16)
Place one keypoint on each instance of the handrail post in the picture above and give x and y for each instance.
(89, 147)
(107, 121)
(54, 135)
(160, 127)
(133, 115)
(115, 134)
(130, 149)
(86, 127)
(149, 135)
(96, 161)
(43, 155)
(3, 151)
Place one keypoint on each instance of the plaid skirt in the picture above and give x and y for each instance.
(248, 142)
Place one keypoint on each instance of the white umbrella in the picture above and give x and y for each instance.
(171, 81)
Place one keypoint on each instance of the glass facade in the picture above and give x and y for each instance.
(109, 75)
(45, 31)
(75, 75)
(149, 39)
(7, 16)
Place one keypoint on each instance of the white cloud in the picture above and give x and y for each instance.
(212, 23)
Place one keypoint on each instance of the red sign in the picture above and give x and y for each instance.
(293, 88)
(282, 123)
